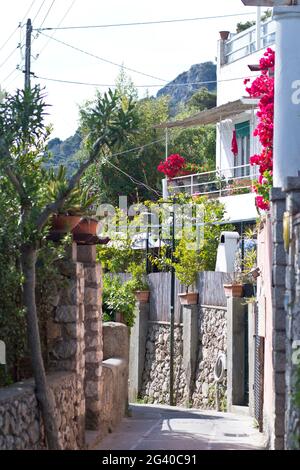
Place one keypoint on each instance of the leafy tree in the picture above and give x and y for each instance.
(23, 138)
(134, 173)
(202, 99)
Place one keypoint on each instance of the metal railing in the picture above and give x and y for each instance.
(220, 182)
(242, 44)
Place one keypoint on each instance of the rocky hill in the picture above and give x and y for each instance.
(205, 72)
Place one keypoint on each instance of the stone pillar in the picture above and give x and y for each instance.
(236, 312)
(278, 340)
(137, 351)
(86, 254)
(287, 93)
(190, 315)
(66, 330)
(292, 304)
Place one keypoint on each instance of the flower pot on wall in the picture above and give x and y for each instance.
(61, 223)
(87, 226)
(233, 290)
(188, 298)
(142, 296)
(224, 35)
(119, 317)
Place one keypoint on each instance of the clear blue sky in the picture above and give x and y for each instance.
(162, 50)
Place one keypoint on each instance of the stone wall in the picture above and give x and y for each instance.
(114, 377)
(20, 420)
(292, 343)
(212, 341)
(156, 376)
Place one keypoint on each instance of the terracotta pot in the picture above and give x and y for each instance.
(64, 223)
(86, 226)
(119, 317)
(142, 296)
(224, 35)
(233, 290)
(188, 298)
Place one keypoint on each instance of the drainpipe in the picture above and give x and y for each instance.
(287, 94)
(258, 28)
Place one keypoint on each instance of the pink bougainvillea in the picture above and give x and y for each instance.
(263, 88)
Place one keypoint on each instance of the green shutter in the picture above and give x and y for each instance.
(242, 129)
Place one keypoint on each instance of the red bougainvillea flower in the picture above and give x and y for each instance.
(263, 88)
(172, 165)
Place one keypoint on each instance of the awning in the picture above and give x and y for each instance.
(213, 115)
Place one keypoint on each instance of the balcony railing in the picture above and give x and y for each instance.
(243, 44)
(215, 183)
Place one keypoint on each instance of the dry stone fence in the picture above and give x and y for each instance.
(199, 337)
(87, 373)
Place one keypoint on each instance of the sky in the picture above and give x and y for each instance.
(162, 50)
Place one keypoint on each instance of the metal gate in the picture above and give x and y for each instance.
(259, 375)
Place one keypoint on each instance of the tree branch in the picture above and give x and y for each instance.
(13, 177)
(55, 206)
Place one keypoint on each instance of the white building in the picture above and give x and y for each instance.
(238, 58)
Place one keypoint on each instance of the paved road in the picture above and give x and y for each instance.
(156, 427)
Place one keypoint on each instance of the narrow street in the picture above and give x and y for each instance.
(157, 427)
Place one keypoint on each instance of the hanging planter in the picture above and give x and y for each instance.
(188, 298)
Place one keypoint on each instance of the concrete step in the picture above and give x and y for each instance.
(240, 410)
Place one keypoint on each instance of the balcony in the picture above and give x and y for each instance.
(218, 183)
(243, 44)
(231, 186)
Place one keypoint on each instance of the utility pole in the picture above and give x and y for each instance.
(27, 70)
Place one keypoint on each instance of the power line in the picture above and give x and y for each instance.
(73, 82)
(9, 56)
(37, 13)
(135, 181)
(61, 21)
(16, 29)
(48, 11)
(102, 59)
(143, 23)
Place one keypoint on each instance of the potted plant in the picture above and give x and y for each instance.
(186, 267)
(77, 204)
(235, 288)
(224, 35)
(244, 279)
(139, 282)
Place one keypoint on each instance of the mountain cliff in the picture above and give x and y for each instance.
(205, 72)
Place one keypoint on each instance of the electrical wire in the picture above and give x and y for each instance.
(143, 23)
(15, 30)
(60, 22)
(37, 13)
(102, 59)
(46, 16)
(133, 180)
(9, 56)
(73, 82)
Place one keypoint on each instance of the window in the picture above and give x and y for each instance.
(243, 140)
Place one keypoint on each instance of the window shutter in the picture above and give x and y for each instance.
(242, 129)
